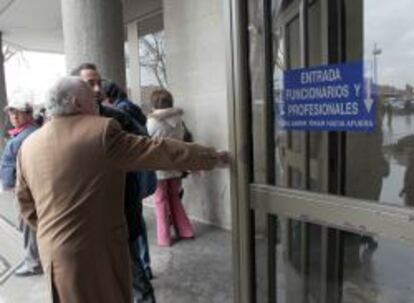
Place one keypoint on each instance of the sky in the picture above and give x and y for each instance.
(389, 24)
(33, 73)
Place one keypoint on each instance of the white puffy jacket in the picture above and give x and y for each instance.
(166, 123)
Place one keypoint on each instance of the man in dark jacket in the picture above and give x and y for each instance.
(143, 291)
(20, 116)
(117, 98)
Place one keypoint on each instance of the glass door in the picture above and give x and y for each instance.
(331, 216)
(300, 158)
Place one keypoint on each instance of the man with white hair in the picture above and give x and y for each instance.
(70, 187)
(142, 287)
(21, 118)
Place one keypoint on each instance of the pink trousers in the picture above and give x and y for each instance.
(170, 211)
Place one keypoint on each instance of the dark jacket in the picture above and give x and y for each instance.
(131, 201)
(132, 109)
(8, 159)
(123, 118)
(147, 180)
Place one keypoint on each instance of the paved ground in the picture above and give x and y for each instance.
(190, 271)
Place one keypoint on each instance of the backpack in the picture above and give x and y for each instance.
(147, 179)
(147, 182)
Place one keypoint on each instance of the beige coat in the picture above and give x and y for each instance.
(70, 187)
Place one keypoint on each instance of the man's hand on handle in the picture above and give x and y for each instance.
(224, 159)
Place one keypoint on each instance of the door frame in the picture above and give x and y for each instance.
(327, 210)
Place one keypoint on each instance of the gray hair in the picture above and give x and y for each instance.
(60, 98)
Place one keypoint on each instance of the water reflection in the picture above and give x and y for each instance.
(398, 148)
(380, 270)
(369, 263)
(381, 277)
(380, 165)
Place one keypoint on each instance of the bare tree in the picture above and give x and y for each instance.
(152, 56)
(3, 92)
(8, 52)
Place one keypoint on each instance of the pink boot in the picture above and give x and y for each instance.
(178, 215)
(162, 213)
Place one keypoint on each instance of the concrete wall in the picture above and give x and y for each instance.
(196, 68)
(93, 32)
(140, 9)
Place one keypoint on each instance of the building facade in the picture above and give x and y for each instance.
(319, 195)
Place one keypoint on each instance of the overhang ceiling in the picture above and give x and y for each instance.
(32, 24)
(37, 24)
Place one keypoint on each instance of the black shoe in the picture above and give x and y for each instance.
(26, 271)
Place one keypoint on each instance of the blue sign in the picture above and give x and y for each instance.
(327, 98)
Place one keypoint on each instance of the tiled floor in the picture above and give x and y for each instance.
(190, 271)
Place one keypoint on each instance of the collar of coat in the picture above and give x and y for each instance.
(17, 130)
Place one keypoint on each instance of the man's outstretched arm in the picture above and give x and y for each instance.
(132, 152)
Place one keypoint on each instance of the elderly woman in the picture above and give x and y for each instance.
(20, 116)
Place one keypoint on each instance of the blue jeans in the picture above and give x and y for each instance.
(32, 259)
(143, 247)
(142, 287)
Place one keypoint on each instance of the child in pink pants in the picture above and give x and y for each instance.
(170, 211)
(166, 121)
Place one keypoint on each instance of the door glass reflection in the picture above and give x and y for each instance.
(376, 272)
(379, 271)
(389, 53)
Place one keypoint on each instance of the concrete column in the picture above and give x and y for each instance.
(3, 91)
(93, 32)
(134, 84)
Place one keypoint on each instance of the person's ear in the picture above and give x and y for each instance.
(76, 103)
